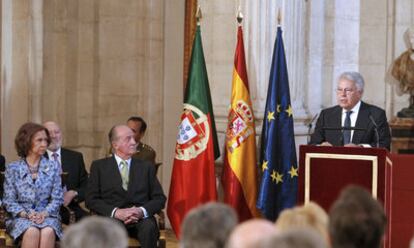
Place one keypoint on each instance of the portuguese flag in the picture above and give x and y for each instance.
(193, 180)
(240, 170)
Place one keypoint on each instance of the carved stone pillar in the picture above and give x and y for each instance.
(36, 59)
(261, 25)
(21, 77)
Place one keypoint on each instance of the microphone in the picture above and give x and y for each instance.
(310, 125)
(375, 128)
(344, 128)
(341, 138)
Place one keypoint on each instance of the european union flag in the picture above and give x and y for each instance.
(278, 152)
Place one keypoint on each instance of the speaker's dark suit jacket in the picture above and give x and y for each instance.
(105, 190)
(331, 118)
(77, 178)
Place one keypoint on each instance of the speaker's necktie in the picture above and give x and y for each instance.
(347, 132)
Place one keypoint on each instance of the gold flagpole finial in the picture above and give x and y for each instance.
(199, 15)
(239, 16)
(279, 17)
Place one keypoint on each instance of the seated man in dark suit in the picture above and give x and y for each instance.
(351, 112)
(126, 188)
(72, 162)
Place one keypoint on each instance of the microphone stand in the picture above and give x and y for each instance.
(375, 129)
(310, 125)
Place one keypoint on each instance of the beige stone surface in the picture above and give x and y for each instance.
(102, 61)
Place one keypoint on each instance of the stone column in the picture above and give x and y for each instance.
(261, 26)
(172, 85)
(316, 47)
(16, 77)
(294, 17)
(36, 59)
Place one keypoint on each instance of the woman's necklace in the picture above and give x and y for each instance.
(33, 170)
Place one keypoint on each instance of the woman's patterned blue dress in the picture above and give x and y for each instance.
(22, 193)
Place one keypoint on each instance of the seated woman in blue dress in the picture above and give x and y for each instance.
(33, 191)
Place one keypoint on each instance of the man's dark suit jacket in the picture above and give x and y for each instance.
(331, 118)
(105, 190)
(77, 179)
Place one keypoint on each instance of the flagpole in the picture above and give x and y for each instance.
(239, 17)
(279, 17)
(199, 15)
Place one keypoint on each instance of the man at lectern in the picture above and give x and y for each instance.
(352, 122)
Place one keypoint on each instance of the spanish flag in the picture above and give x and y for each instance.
(240, 171)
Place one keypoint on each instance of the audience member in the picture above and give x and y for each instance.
(95, 232)
(72, 163)
(251, 233)
(294, 238)
(412, 243)
(126, 189)
(310, 215)
(144, 151)
(356, 220)
(208, 226)
(33, 190)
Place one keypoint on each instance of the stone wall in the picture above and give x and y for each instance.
(86, 64)
(91, 64)
(322, 39)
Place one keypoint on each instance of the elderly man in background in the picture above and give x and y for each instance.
(126, 188)
(72, 163)
(352, 122)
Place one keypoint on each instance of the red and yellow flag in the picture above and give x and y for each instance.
(240, 171)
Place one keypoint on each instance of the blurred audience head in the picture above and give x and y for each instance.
(251, 233)
(357, 220)
(95, 232)
(310, 216)
(412, 243)
(294, 238)
(208, 226)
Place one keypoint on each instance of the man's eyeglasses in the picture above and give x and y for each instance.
(347, 91)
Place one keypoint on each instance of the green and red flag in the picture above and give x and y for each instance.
(193, 179)
(240, 170)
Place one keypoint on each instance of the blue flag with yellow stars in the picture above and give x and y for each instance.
(278, 152)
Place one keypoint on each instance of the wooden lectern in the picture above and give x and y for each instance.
(325, 171)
